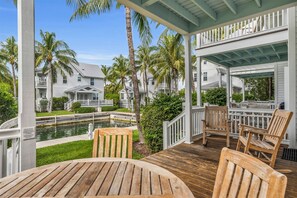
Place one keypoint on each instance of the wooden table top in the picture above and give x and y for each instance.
(95, 177)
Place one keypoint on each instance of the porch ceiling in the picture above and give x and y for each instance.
(193, 16)
(271, 53)
(255, 75)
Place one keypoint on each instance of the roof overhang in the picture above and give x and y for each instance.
(194, 16)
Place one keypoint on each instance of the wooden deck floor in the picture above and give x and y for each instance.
(197, 165)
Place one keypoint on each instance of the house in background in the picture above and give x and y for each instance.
(85, 85)
(214, 76)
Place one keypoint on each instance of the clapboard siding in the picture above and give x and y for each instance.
(280, 82)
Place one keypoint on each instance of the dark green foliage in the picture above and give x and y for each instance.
(216, 96)
(85, 110)
(237, 97)
(75, 106)
(109, 108)
(250, 97)
(163, 108)
(261, 88)
(8, 107)
(58, 103)
(43, 105)
(181, 93)
(113, 96)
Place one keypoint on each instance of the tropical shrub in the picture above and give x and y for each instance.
(43, 105)
(85, 110)
(75, 106)
(58, 103)
(237, 97)
(109, 108)
(181, 93)
(163, 108)
(113, 96)
(216, 96)
(8, 106)
(249, 97)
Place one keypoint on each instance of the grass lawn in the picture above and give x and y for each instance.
(71, 151)
(53, 113)
(126, 110)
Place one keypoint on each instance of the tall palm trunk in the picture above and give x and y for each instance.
(134, 72)
(14, 81)
(51, 90)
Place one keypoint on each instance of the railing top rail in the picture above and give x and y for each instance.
(9, 123)
(251, 110)
(182, 114)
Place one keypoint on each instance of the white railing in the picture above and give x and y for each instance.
(89, 103)
(9, 147)
(262, 23)
(174, 131)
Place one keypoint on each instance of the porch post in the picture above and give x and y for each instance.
(292, 53)
(220, 78)
(26, 114)
(228, 87)
(199, 98)
(243, 90)
(231, 88)
(188, 89)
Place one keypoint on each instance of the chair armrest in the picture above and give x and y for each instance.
(264, 134)
(253, 129)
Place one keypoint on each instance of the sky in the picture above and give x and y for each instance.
(96, 40)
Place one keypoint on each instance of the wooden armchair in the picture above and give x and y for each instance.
(113, 142)
(216, 122)
(241, 175)
(265, 141)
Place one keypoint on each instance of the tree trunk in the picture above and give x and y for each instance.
(14, 81)
(145, 87)
(51, 90)
(134, 72)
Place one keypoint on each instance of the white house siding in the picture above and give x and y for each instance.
(280, 82)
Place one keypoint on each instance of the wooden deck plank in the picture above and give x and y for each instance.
(196, 165)
(116, 186)
(109, 179)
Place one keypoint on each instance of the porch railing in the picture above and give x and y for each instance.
(254, 25)
(174, 131)
(9, 147)
(89, 103)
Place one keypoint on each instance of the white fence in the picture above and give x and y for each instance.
(9, 147)
(89, 103)
(262, 23)
(174, 131)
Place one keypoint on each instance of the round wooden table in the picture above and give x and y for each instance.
(95, 177)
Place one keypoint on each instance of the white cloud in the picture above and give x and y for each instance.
(96, 58)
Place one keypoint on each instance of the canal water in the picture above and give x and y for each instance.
(60, 131)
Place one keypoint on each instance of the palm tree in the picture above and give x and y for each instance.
(5, 75)
(83, 8)
(56, 56)
(144, 59)
(121, 71)
(106, 71)
(169, 62)
(9, 53)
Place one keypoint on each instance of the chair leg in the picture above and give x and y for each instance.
(204, 139)
(238, 145)
(273, 159)
(228, 140)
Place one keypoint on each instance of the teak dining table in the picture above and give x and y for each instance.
(95, 177)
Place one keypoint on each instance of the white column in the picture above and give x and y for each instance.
(243, 90)
(188, 89)
(231, 88)
(292, 49)
(199, 98)
(228, 86)
(220, 78)
(26, 63)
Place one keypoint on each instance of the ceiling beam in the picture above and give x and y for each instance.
(205, 8)
(275, 52)
(231, 5)
(148, 2)
(261, 51)
(181, 11)
(259, 3)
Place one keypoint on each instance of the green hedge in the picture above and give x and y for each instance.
(58, 103)
(163, 108)
(237, 97)
(8, 106)
(216, 96)
(113, 96)
(109, 108)
(75, 106)
(85, 110)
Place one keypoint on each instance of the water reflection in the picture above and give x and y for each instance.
(55, 132)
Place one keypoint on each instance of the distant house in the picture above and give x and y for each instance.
(85, 85)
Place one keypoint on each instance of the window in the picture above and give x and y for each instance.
(79, 78)
(195, 77)
(204, 76)
(122, 96)
(95, 97)
(92, 81)
(130, 84)
(153, 82)
(64, 79)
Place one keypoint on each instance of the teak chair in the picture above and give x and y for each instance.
(216, 122)
(113, 142)
(265, 141)
(241, 175)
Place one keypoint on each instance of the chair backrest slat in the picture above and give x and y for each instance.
(216, 117)
(278, 125)
(113, 142)
(241, 175)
